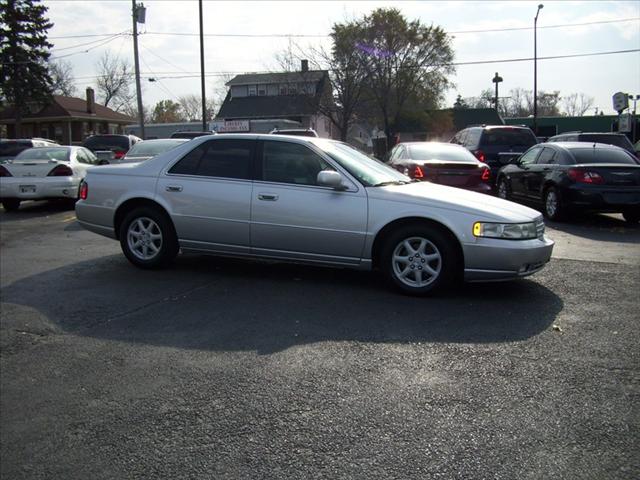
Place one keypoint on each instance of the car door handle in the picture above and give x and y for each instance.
(173, 188)
(270, 197)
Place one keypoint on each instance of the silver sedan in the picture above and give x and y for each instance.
(309, 200)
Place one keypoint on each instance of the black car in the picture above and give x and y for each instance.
(610, 138)
(118, 145)
(495, 145)
(569, 176)
(10, 148)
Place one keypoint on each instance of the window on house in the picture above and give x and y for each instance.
(252, 90)
(262, 90)
(283, 89)
(293, 89)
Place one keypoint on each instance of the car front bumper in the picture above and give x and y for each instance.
(489, 259)
(30, 188)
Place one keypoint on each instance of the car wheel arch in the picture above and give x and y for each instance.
(384, 232)
(131, 204)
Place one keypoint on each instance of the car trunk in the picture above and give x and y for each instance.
(32, 168)
(613, 174)
(455, 174)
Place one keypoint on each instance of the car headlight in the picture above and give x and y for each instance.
(509, 231)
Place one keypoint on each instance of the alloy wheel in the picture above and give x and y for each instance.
(416, 262)
(144, 238)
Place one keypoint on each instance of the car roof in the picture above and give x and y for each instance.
(575, 145)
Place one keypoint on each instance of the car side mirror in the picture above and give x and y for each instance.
(330, 178)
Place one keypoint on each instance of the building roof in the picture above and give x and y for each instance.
(280, 77)
(71, 107)
(269, 106)
(464, 117)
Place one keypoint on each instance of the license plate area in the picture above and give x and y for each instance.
(27, 189)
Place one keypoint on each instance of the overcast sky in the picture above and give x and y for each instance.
(165, 56)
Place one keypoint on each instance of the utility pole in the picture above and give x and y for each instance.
(535, 71)
(497, 79)
(204, 100)
(138, 14)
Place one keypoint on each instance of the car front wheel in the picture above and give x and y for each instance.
(148, 239)
(419, 259)
(503, 189)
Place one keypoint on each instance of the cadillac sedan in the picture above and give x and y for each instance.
(309, 200)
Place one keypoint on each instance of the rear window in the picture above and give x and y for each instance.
(509, 137)
(107, 142)
(60, 154)
(153, 148)
(601, 155)
(13, 148)
(440, 152)
(617, 140)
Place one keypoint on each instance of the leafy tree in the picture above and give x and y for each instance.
(62, 81)
(408, 63)
(167, 111)
(114, 82)
(24, 52)
(460, 102)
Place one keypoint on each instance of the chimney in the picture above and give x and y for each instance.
(91, 100)
(305, 65)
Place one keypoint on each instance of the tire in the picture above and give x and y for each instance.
(632, 216)
(553, 208)
(11, 204)
(415, 250)
(503, 190)
(148, 238)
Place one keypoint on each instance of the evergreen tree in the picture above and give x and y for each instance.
(24, 52)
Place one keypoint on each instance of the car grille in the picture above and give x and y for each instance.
(540, 228)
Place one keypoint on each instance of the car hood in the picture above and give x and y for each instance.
(433, 195)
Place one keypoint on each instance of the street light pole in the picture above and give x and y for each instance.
(497, 79)
(204, 101)
(535, 70)
(134, 11)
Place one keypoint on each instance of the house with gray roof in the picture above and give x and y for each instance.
(292, 98)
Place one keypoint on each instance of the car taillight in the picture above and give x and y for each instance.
(480, 155)
(486, 175)
(61, 171)
(417, 172)
(585, 176)
(4, 172)
(84, 190)
(118, 154)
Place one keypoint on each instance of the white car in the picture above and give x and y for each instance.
(44, 173)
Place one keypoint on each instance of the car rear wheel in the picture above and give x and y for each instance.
(553, 208)
(632, 216)
(503, 189)
(11, 204)
(147, 238)
(418, 260)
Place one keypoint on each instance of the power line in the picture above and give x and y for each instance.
(104, 42)
(87, 43)
(294, 35)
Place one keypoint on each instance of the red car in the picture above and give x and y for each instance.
(444, 163)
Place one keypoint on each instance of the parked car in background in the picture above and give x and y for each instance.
(574, 176)
(443, 163)
(147, 149)
(309, 200)
(189, 135)
(299, 132)
(44, 173)
(9, 148)
(617, 139)
(110, 147)
(495, 145)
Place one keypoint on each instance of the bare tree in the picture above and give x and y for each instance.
(62, 81)
(114, 84)
(191, 107)
(577, 104)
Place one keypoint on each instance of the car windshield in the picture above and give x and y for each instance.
(369, 171)
(107, 142)
(153, 147)
(59, 154)
(448, 153)
(602, 155)
(509, 137)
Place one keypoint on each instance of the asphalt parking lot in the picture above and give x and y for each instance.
(219, 368)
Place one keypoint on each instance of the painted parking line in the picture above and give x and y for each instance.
(69, 219)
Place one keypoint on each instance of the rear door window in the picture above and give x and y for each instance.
(227, 158)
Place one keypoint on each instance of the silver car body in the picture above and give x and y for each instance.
(317, 224)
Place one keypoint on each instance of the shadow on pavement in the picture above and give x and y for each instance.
(36, 209)
(600, 227)
(223, 304)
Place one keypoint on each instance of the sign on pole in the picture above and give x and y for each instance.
(624, 123)
(620, 102)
